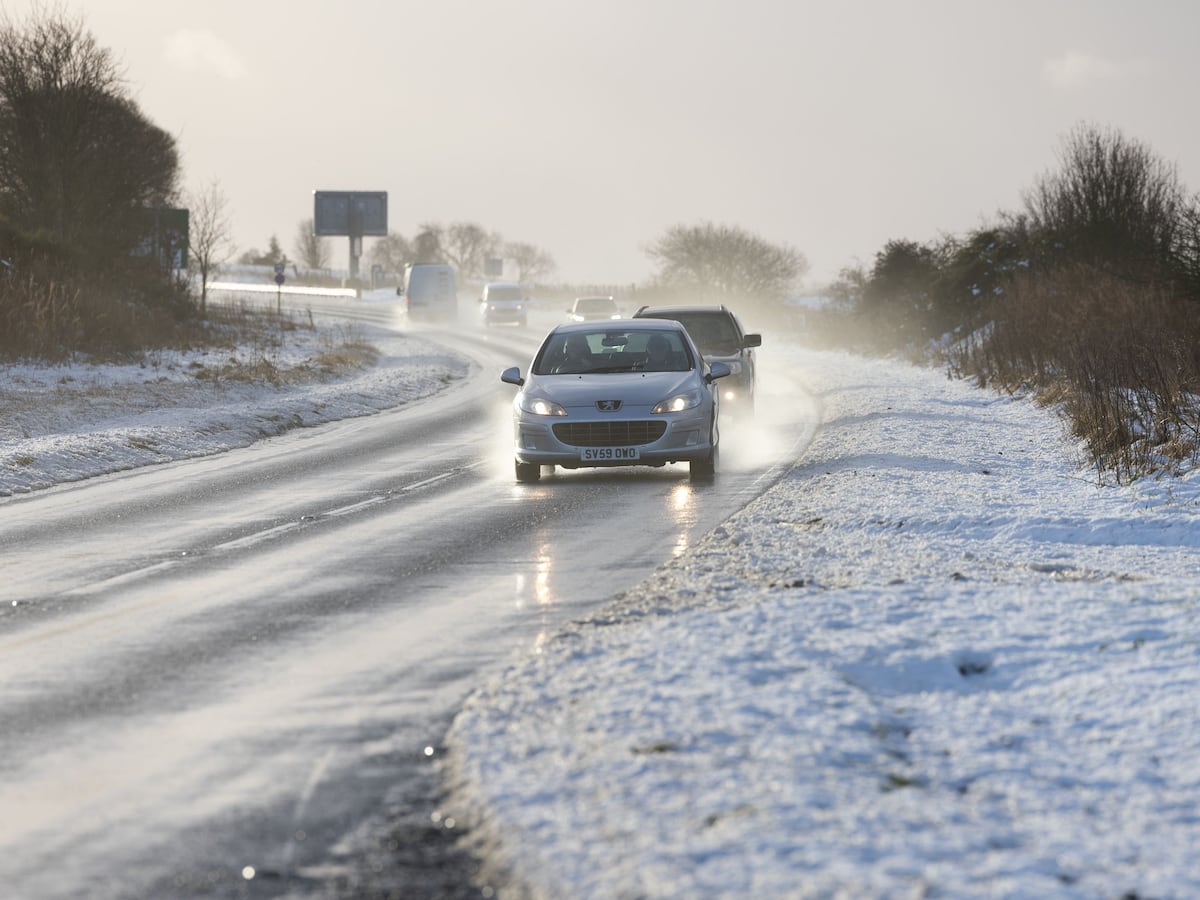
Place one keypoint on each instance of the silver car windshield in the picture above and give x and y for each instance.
(594, 305)
(608, 351)
(505, 295)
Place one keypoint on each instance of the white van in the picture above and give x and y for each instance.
(430, 291)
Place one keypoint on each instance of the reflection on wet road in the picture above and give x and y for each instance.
(221, 667)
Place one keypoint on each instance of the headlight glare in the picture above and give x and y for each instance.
(540, 406)
(678, 403)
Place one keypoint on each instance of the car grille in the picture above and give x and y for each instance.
(609, 434)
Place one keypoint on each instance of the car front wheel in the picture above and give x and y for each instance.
(528, 473)
(704, 469)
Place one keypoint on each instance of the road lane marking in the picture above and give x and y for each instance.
(118, 580)
(259, 537)
(251, 539)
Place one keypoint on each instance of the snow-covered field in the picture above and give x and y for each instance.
(937, 659)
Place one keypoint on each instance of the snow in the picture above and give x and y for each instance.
(937, 658)
(72, 421)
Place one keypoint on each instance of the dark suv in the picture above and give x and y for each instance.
(719, 335)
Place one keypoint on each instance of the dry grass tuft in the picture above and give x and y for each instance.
(1121, 360)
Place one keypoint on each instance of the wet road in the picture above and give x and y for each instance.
(229, 676)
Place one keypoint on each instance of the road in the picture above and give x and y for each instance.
(229, 676)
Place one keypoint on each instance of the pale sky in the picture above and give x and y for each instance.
(588, 127)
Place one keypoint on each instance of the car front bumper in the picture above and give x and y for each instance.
(504, 316)
(687, 437)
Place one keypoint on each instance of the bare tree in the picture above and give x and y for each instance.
(1187, 252)
(273, 255)
(467, 246)
(533, 263)
(78, 160)
(390, 252)
(726, 261)
(210, 235)
(312, 250)
(1113, 204)
(427, 245)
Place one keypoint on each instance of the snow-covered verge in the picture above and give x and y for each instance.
(937, 659)
(67, 422)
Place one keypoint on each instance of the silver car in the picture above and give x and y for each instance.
(617, 393)
(503, 302)
(585, 309)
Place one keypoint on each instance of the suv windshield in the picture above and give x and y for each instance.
(713, 332)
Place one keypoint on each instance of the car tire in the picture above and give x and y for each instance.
(528, 473)
(704, 469)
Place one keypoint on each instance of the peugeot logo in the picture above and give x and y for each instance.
(608, 405)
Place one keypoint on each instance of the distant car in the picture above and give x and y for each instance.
(616, 394)
(721, 338)
(590, 309)
(502, 302)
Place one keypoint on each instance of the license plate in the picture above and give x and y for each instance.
(609, 454)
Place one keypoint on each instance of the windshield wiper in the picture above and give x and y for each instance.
(626, 367)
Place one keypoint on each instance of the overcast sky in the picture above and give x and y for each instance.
(588, 127)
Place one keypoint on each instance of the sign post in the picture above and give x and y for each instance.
(279, 280)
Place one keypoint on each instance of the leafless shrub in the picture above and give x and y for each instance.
(1120, 359)
(1113, 204)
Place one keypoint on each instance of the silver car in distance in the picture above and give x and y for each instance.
(616, 393)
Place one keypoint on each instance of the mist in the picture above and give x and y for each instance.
(588, 129)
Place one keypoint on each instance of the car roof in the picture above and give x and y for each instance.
(492, 284)
(651, 311)
(644, 324)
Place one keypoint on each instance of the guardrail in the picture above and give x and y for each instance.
(281, 289)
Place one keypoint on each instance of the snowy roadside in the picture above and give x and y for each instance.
(935, 660)
(69, 422)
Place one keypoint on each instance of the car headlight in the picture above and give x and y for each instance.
(679, 403)
(539, 406)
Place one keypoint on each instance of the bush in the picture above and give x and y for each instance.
(1122, 359)
(43, 317)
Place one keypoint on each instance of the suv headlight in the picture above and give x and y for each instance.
(679, 403)
(539, 406)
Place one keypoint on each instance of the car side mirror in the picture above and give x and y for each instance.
(399, 292)
(717, 370)
(751, 340)
(512, 376)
